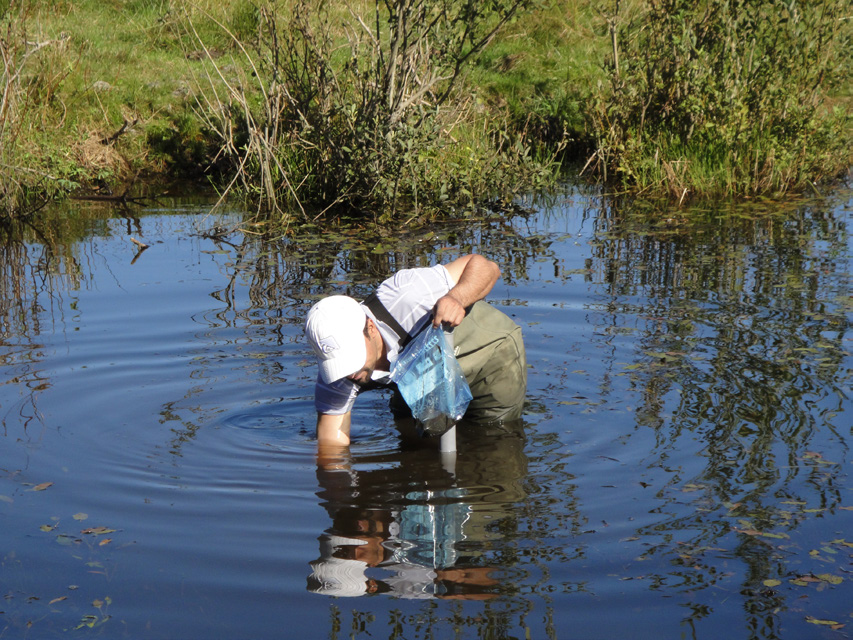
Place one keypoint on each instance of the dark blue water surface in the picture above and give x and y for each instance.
(682, 470)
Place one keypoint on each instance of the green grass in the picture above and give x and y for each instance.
(135, 53)
(545, 68)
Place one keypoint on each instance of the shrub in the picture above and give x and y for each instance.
(343, 111)
(725, 97)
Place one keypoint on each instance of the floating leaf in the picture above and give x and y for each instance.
(817, 457)
(47, 528)
(6, 499)
(842, 542)
(59, 599)
(763, 534)
(87, 621)
(42, 486)
(105, 541)
(823, 622)
(772, 583)
(65, 540)
(80, 516)
(97, 531)
(779, 536)
(831, 579)
(806, 579)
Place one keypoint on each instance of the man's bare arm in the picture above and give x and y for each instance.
(474, 276)
(333, 430)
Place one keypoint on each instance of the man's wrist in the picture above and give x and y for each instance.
(455, 299)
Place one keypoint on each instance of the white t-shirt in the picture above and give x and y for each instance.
(409, 296)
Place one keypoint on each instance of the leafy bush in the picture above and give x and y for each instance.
(725, 96)
(361, 116)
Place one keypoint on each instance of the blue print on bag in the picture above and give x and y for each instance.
(430, 379)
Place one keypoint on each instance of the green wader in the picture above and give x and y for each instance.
(489, 348)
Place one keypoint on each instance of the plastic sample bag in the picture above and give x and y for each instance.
(431, 381)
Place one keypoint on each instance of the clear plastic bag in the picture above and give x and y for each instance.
(431, 381)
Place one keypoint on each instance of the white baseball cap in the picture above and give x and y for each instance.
(339, 577)
(335, 329)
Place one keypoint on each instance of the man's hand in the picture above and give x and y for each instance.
(474, 276)
(448, 310)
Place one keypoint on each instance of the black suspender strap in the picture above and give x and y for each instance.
(378, 309)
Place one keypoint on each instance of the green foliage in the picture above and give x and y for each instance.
(31, 77)
(725, 96)
(383, 105)
(365, 121)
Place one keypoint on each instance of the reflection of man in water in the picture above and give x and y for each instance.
(380, 563)
(414, 530)
(357, 343)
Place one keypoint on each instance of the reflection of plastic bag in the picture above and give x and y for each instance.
(431, 528)
(431, 381)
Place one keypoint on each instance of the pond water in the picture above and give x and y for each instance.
(682, 470)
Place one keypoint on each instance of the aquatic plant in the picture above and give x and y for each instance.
(724, 97)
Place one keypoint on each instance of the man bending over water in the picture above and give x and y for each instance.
(357, 343)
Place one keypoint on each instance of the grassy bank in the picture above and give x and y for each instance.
(100, 94)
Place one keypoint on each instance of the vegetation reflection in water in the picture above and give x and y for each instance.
(742, 346)
(725, 370)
